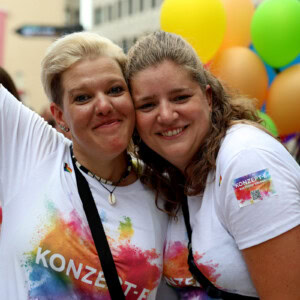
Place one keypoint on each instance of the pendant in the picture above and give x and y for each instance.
(111, 199)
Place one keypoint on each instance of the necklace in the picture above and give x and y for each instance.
(111, 197)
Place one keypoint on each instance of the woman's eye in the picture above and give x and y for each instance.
(181, 97)
(146, 106)
(116, 90)
(82, 98)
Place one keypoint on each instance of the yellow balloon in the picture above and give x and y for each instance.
(283, 101)
(238, 14)
(200, 22)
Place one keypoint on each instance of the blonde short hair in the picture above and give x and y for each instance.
(69, 49)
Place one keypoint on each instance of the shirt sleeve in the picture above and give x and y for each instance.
(25, 140)
(259, 197)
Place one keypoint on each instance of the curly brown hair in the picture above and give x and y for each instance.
(228, 108)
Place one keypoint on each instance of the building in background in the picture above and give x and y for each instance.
(72, 12)
(124, 21)
(22, 55)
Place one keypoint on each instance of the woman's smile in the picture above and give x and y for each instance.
(173, 132)
(109, 124)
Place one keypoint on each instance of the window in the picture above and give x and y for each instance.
(68, 15)
(130, 7)
(76, 16)
(142, 5)
(109, 13)
(119, 9)
(98, 16)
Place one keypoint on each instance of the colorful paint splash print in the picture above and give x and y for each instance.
(176, 270)
(125, 229)
(64, 263)
(253, 187)
(193, 294)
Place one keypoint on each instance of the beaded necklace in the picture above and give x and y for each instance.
(111, 197)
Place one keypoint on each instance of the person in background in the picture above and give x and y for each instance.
(46, 247)
(243, 186)
(8, 83)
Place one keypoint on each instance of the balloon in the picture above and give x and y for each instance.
(270, 70)
(268, 123)
(283, 101)
(275, 31)
(241, 69)
(238, 21)
(200, 22)
(294, 62)
(271, 73)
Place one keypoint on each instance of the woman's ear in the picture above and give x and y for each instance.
(58, 114)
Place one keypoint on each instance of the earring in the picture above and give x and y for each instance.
(63, 128)
(136, 148)
(136, 141)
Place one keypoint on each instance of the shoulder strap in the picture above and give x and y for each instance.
(206, 284)
(99, 237)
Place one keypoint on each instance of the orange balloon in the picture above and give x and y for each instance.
(283, 101)
(241, 69)
(239, 15)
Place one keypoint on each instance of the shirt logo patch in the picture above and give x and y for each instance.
(253, 187)
(67, 168)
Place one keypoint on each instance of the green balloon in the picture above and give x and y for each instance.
(275, 31)
(268, 123)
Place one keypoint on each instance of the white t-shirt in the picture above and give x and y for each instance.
(254, 197)
(46, 247)
(0, 216)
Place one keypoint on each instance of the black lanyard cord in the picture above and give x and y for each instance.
(99, 237)
(206, 284)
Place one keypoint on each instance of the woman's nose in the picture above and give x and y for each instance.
(103, 105)
(167, 113)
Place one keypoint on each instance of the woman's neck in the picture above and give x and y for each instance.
(110, 168)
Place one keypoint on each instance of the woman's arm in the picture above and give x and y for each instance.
(25, 140)
(274, 266)
(261, 210)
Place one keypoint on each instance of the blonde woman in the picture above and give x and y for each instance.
(47, 250)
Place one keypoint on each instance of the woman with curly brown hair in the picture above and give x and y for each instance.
(237, 235)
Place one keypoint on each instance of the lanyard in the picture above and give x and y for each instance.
(99, 237)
